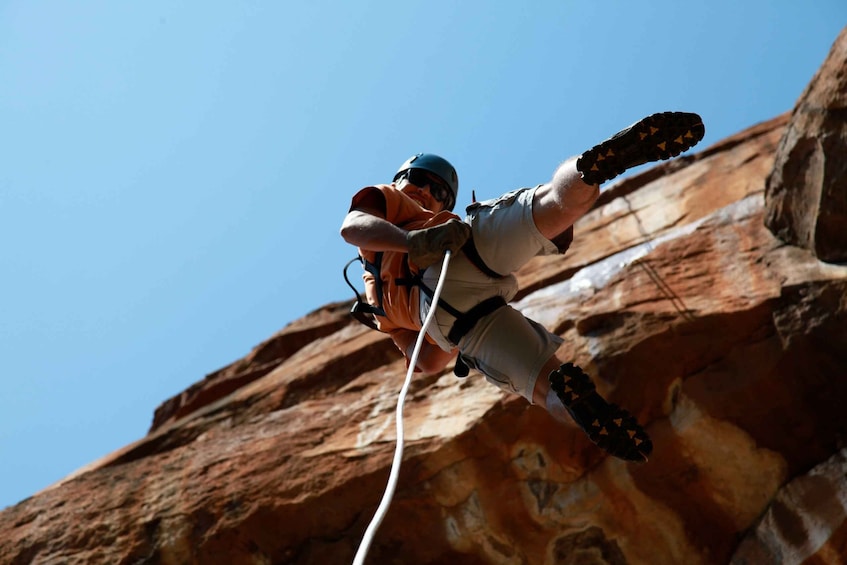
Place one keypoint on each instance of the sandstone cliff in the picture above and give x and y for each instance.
(728, 342)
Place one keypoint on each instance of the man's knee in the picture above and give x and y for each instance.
(562, 201)
(542, 383)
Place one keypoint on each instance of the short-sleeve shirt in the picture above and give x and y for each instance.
(401, 303)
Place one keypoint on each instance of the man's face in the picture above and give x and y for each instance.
(426, 189)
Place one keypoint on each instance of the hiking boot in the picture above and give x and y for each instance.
(609, 426)
(655, 138)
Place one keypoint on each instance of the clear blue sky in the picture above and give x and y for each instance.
(173, 174)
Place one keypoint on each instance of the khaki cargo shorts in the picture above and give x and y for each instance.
(507, 347)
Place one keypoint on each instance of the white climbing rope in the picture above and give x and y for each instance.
(382, 509)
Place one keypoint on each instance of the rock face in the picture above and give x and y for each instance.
(802, 521)
(807, 191)
(728, 343)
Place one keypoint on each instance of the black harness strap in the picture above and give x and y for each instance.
(470, 251)
(469, 319)
(374, 269)
(417, 280)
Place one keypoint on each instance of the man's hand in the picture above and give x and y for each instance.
(427, 246)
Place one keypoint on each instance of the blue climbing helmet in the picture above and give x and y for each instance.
(437, 166)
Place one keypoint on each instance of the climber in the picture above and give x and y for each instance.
(404, 228)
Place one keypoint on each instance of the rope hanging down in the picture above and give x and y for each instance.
(382, 509)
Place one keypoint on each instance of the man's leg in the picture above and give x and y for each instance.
(575, 185)
(562, 201)
(564, 387)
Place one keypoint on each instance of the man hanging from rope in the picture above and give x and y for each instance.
(404, 228)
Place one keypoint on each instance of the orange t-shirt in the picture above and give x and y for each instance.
(401, 303)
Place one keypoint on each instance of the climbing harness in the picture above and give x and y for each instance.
(398, 451)
(465, 321)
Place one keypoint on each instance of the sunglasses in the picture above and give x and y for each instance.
(437, 187)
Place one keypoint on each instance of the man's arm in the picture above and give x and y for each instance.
(367, 229)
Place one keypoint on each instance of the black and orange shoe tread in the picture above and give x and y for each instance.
(609, 426)
(654, 138)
